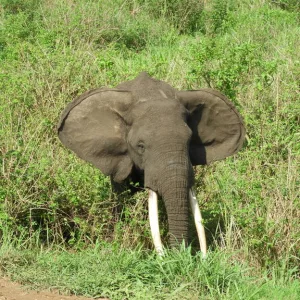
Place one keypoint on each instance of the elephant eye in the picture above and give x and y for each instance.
(141, 147)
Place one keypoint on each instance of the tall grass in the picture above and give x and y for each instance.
(109, 270)
(51, 51)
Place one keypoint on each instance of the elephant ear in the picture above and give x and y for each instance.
(218, 129)
(93, 127)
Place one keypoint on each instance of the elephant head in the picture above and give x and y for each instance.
(147, 128)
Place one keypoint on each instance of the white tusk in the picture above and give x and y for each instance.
(153, 218)
(198, 221)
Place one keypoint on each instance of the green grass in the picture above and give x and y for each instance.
(109, 270)
(51, 51)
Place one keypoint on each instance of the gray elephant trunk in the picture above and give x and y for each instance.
(172, 182)
(175, 196)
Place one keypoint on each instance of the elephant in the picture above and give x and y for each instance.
(147, 132)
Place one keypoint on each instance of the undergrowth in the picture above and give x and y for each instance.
(109, 270)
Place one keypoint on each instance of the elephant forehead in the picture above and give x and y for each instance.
(156, 123)
(160, 107)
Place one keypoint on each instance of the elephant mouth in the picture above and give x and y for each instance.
(154, 224)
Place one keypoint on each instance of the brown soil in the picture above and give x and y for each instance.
(13, 291)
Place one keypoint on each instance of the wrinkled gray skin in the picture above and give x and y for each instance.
(153, 134)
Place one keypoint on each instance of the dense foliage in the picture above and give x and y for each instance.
(51, 51)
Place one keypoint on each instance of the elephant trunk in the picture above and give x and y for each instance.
(173, 182)
(175, 192)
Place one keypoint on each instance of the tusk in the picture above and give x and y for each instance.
(198, 221)
(153, 218)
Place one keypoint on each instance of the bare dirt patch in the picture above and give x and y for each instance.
(14, 291)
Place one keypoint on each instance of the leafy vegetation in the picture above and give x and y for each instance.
(51, 51)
